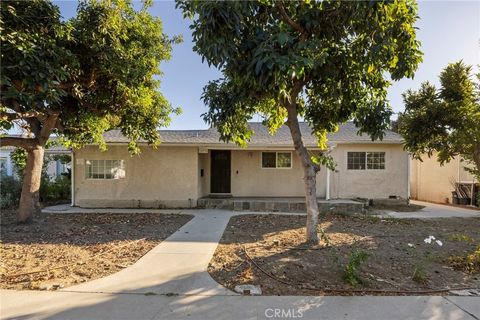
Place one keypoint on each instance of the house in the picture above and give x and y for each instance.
(193, 164)
(433, 182)
(54, 168)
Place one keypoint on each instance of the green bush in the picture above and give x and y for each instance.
(351, 273)
(10, 190)
(54, 190)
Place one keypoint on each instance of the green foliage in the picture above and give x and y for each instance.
(469, 263)
(19, 160)
(351, 273)
(57, 190)
(96, 71)
(328, 58)
(460, 237)
(10, 190)
(446, 119)
(419, 274)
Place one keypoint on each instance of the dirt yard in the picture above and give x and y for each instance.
(366, 255)
(59, 250)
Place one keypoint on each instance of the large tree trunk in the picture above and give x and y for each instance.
(309, 174)
(30, 197)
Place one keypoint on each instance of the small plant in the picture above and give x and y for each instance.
(351, 273)
(469, 263)
(420, 275)
(460, 237)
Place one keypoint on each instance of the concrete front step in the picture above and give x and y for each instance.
(279, 205)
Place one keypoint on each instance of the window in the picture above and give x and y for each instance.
(356, 161)
(366, 160)
(375, 160)
(277, 160)
(105, 169)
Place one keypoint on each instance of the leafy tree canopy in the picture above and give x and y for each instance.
(81, 77)
(446, 119)
(334, 54)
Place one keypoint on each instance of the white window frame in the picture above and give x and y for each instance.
(276, 160)
(366, 160)
(104, 161)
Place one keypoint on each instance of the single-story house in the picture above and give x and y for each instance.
(54, 168)
(193, 164)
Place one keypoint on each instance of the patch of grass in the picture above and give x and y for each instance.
(469, 263)
(351, 273)
(460, 237)
(150, 294)
(420, 275)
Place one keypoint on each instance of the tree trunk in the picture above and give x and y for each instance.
(30, 197)
(309, 176)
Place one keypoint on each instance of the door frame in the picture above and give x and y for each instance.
(212, 169)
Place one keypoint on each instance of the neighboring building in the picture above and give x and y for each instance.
(192, 164)
(432, 182)
(54, 168)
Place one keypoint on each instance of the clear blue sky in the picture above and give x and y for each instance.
(449, 31)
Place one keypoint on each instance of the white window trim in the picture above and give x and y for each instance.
(276, 159)
(103, 179)
(366, 165)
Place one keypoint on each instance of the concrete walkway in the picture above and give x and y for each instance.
(171, 282)
(434, 211)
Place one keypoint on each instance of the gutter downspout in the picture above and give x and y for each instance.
(408, 177)
(72, 180)
(327, 187)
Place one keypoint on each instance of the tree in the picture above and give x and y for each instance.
(324, 61)
(78, 78)
(445, 120)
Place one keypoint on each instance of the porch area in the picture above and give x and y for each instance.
(279, 204)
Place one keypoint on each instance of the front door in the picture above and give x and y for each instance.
(220, 171)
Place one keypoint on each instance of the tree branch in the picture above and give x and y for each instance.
(286, 18)
(12, 116)
(47, 126)
(26, 143)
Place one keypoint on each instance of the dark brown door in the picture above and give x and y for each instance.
(220, 171)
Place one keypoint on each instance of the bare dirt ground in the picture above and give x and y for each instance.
(398, 260)
(72, 248)
(398, 207)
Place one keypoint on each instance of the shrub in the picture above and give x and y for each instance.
(54, 190)
(420, 275)
(351, 273)
(10, 190)
(469, 263)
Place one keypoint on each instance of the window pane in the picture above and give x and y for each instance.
(105, 169)
(356, 160)
(284, 160)
(268, 159)
(376, 160)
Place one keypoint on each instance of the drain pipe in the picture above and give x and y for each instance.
(72, 178)
(327, 192)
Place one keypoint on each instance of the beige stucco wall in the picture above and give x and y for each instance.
(371, 184)
(171, 176)
(163, 177)
(432, 182)
(249, 179)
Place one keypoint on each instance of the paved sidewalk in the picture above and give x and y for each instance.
(171, 282)
(434, 211)
(59, 305)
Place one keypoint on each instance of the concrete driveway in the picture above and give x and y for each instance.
(434, 211)
(172, 282)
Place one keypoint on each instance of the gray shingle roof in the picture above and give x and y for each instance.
(347, 133)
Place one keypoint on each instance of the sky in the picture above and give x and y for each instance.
(448, 30)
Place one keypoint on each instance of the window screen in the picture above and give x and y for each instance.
(105, 169)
